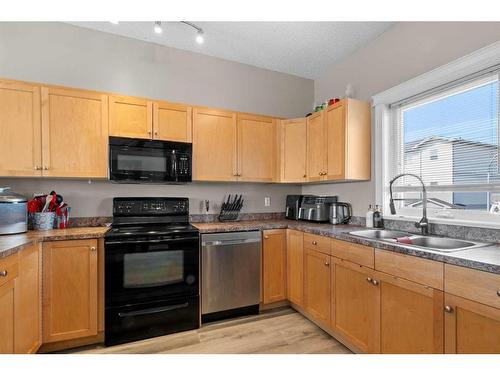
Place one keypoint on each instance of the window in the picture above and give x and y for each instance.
(450, 139)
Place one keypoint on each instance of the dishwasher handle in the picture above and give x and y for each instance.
(230, 242)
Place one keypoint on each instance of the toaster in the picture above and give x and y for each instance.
(316, 208)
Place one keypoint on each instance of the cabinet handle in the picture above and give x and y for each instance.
(304, 176)
(156, 133)
(369, 279)
(266, 237)
(448, 309)
(375, 282)
(45, 168)
(37, 167)
(4, 273)
(93, 248)
(327, 263)
(314, 243)
(498, 293)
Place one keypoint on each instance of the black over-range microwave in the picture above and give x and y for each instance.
(140, 160)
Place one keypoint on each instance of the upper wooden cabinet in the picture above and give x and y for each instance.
(233, 147)
(70, 280)
(316, 146)
(293, 144)
(130, 117)
(74, 133)
(274, 266)
(141, 118)
(338, 143)
(348, 134)
(172, 122)
(214, 145)
(20, 129)
(256, 148)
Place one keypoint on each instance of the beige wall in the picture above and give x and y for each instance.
(95, 199)
(63, 54)
(67, 55)
(401, 53)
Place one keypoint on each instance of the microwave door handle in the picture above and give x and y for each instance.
(154, 310)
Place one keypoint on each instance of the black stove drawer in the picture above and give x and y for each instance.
(141, 321)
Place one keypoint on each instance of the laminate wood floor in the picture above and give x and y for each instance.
(282, 331)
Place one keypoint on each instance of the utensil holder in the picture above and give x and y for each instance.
(229, 212)
(44, 220)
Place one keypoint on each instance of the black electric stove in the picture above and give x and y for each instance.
(152, 267)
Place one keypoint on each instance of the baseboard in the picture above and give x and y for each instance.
(269, 306)
(70, 344)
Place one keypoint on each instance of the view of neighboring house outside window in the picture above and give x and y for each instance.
(450, 140)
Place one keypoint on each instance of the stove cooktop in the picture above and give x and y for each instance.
(151, 230)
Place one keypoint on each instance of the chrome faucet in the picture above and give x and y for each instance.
(423, 224)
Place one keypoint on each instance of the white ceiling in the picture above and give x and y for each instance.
(304, 49)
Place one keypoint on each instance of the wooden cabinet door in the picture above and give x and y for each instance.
(28, 302)
(274, 266)
(214, 145)
(316, 146)
(75, 133)
(411, 317)
(20, 129)
(130, 117)
(356, 303)
(295, 266)
(336, 137)
(293, 150)
(471, 327)
(7, 318)
(69, 289)
(256, 148)
(317, 292)
(172, 122)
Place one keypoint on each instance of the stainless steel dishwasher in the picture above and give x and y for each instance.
(230, 274)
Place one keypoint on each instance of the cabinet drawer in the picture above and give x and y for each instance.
(353, 252)
(318, 243)
(422, 271)
(483, 287)
(9, 268)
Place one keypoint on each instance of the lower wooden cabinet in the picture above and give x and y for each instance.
(317, 285)
(356, 305)
(69, 290)
(28, 301)
(7, 318)
(274, 266)
(20, 302)
(411, 317)
(471, 327)
(295, 266)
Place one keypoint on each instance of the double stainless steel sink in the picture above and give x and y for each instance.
(440, 244)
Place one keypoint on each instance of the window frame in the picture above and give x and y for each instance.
(478, 64)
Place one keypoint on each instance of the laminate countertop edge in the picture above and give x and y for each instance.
(13, 243)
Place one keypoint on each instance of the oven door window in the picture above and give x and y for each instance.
(142, 270)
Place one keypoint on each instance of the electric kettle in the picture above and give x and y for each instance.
(340, 213)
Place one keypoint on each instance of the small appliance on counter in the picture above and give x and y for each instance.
(293, 203)
(13, 212)
(316, 208)
(340, 213)
(141, 160)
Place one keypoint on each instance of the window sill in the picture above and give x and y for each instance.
(493, 223)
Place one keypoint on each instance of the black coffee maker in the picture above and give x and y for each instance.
(293, 203)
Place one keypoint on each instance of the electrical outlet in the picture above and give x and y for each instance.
(267, 201)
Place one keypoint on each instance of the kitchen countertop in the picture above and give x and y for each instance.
(10, 244)
(483, 258)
